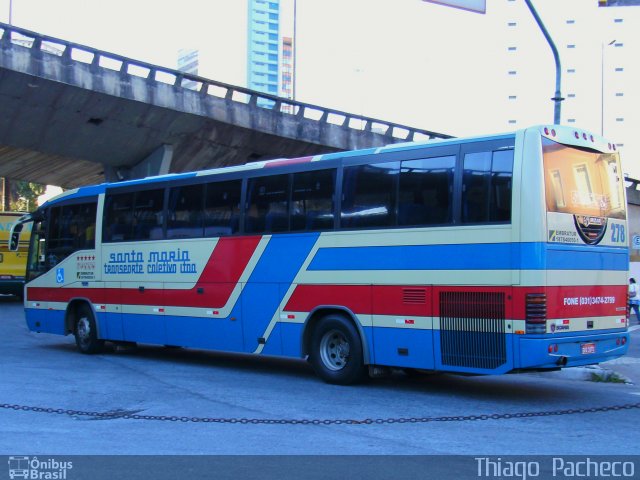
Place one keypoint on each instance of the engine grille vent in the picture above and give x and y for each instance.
(472, 327)
(414, 296)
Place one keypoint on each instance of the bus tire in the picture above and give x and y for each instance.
(86, 332)
(336, 351)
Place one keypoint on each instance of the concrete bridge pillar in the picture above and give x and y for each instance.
(157, 163)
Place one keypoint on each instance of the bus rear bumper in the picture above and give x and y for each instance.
(570, 351)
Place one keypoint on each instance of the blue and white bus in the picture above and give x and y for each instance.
(483, 255)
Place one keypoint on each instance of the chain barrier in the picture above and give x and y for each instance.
(329, 421)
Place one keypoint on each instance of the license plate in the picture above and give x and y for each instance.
(587, 348)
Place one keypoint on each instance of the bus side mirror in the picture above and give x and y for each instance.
(14, 238)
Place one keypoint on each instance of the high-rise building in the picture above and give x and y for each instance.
(598, 48)
(286, 70)
(268, 64)
(263, 46)
(188, 62)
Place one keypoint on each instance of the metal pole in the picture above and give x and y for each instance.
(558, 95)
(602, 87)
(10, 12)
(602, 91)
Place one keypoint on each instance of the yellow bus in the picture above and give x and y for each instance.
(12, 264)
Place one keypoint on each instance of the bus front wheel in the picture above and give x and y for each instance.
(86, 332)
(336, 351)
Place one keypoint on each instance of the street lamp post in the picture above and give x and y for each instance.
(557, 99)
(602, 86)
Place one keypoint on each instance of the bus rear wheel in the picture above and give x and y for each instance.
(336, 352)
(86, 332)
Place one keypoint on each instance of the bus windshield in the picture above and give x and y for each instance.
(582, 182)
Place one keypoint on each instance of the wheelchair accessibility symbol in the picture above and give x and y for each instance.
(60, 275)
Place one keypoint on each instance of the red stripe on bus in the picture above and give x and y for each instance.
(221, 274)
(364, 299)
(562, 302)
(287, 161)
(356, 298)
(229, 259)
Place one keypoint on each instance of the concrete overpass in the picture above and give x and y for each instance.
(73, 115)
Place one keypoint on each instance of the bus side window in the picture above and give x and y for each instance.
(148, 215)
(222, 208)
(267, 208)
(426, 191)
(476, 181)
(313, 200)
(184, 213)
(72, 228)
(486, 186)
(369, 195)
(118, 218)
(83, 226)
(501, 182)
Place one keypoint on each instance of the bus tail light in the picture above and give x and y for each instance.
(536, 313)
(628, 309)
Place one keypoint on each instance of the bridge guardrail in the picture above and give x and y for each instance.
(75, 52)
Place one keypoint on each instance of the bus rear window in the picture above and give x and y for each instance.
(582, 182)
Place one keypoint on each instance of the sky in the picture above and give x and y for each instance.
(406, 61)
(142, 29)
(369, 57)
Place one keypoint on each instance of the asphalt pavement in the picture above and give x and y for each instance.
(628, 367)
(153, 400)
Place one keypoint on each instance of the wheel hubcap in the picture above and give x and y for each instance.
(84, 331)
(334, 350)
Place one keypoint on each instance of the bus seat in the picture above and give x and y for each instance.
(276, 222)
